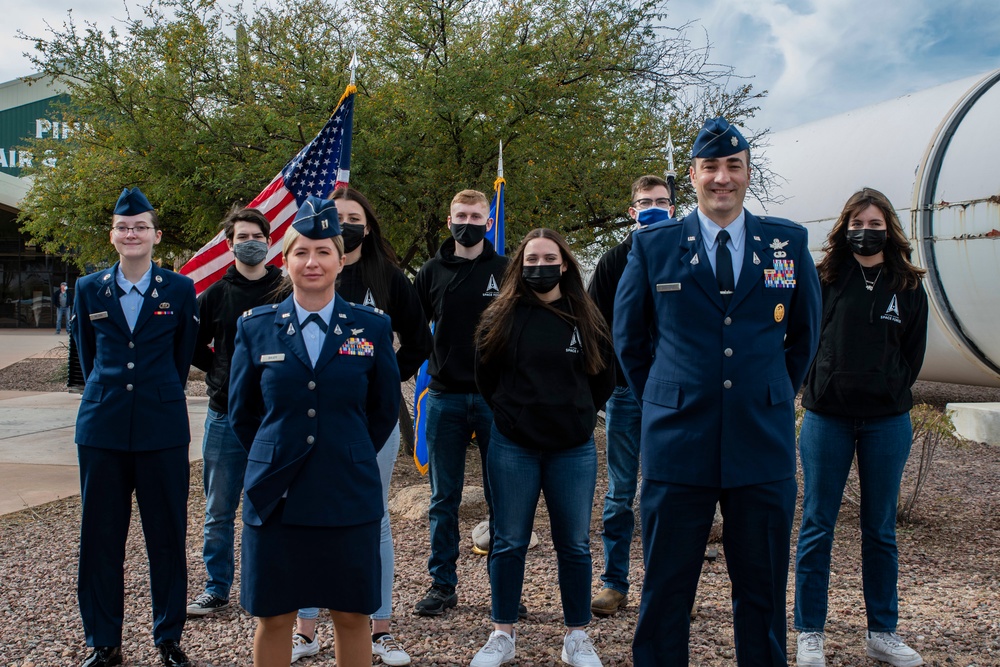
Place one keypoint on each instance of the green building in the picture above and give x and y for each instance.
(28, 276)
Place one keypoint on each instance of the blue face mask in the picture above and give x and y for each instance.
(250, 253)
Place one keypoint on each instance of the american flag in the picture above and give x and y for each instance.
(319, 168)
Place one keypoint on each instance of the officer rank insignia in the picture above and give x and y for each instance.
(357, 347)
(782, 275)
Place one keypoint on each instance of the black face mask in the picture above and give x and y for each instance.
(353, 236)
(866, 242)
(542, 278)
(468, 235)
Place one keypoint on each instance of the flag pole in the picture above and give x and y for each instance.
(671, 174)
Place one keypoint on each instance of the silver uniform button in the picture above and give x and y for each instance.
(311, 412)
(311, 385)
(131, 345)
(128, 387)
(727, 384)
(130, 365)
(727, 321)
(728, 352)
(310, 440)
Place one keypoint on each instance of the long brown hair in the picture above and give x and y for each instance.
(494, 330)
(377, 256)
(902, 274)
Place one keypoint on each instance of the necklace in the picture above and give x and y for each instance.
(870, 284)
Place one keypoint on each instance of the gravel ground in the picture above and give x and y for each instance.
(949, 584)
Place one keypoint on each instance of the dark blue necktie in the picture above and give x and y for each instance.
(724, 268)
(314, 317)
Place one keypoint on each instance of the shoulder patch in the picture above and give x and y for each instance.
(361, 308)
(259, 310)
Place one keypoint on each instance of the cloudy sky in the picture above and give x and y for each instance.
(814, 57)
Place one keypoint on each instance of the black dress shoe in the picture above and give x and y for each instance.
(104, 656)
(171, 654)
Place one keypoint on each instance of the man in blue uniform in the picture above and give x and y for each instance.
(716, 321)
(134, 326)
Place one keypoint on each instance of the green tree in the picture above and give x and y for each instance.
(201, 107)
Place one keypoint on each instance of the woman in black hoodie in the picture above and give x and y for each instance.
(544, 366)
(858, 401)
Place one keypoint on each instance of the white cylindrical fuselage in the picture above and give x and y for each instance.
(934, 154)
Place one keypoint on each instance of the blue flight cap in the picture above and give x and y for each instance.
(317, 219)
(132, 202)
(652, 215)
(718, 139)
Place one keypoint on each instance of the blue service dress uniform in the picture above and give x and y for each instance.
(717, 385)
(132, 435)
(312, 491)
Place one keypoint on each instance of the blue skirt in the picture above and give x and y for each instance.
(285, 568)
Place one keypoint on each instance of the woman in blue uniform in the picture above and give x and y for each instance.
(544, 366)
(372, 277)
(857, 399)
(314, 394)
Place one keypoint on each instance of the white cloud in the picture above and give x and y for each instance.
(822, 57)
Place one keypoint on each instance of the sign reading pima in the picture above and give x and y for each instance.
(35, 120)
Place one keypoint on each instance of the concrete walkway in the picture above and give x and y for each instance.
(38, 461)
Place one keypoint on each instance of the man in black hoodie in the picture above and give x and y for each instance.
(623, 413)
(250, 282)
(455, 287)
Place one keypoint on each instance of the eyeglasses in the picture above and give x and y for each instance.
(641, 204)
(138, 230)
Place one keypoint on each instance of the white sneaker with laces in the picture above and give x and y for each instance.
(390, 651)
(888, 647)
(810, 650)
(499, 648)
(302, 647)
(579, 651)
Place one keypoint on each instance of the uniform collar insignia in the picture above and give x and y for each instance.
(337, 331)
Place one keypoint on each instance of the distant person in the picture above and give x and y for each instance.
(857, 399)
(372, 278)
(62, 302)
(623, 413)
(249, 282)
(716, 322)
(455, 287)
(135, 327)
(544, 367)
(313, 396)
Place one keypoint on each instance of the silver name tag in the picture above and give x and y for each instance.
(668, 287)
(264, 358)
(99, 316)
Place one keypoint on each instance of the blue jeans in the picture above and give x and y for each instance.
(623, 419)
(62, 315)
(225, 463)
(386, 462)
(828, 445)
(451, 421)
(568, 478)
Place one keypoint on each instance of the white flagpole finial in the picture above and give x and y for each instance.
(353, 65)
(670, 154)
(500, 161)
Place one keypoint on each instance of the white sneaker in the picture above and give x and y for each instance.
(888, 647)
(302, 647)
(579, 651)
(391, 651)
(810, 652)
(499, 648)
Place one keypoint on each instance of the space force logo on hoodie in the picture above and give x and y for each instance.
(492, 289)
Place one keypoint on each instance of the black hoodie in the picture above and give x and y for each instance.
(871, 347)
(219, 307)
(454, 292)
(541, 395)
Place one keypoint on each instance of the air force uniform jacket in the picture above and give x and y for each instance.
(312, 433)
(717, 383)
(134, 398)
